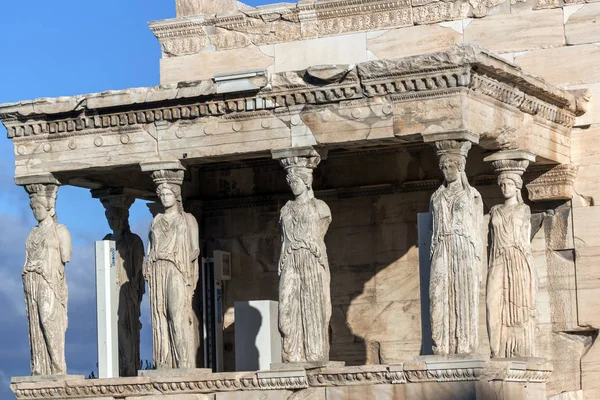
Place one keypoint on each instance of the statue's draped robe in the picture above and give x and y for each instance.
(304, 286)
(455, 268)
(172, 275)
(511, 283)
(131, 287)
(46, 300)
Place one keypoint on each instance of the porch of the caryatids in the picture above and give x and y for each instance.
(172, 271)
(304, 284)
(456, 254)
(512, 279)
(130, 280)
(47, 250)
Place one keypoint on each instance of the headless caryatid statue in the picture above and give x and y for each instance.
(456, 251)
(511, 285)
(172, 274)
(130, 281)
(304, 286)
(48, 248)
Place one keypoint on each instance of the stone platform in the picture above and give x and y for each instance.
(426, 379)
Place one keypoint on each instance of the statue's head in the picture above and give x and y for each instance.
(510, 185)
(510, 177)
(117, 211)
(168, 187)
(452, 166)
(299, 171)
(116, 218)
(42, 200)
(300, 180)
(169, 194)
(452, 158)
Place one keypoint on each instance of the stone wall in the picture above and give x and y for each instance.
(372, 246)
(372, 239)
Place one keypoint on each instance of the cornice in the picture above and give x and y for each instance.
(465, 68)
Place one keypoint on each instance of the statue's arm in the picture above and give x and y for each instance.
(64, 238)
(194, 234)
(138, 263)
(478, 225)
(433, 228)
(282, 250)
(325, 215)
(148, 252)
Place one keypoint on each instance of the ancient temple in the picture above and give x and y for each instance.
(413, 182)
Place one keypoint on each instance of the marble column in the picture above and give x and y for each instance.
(172, 271)
(512, 281)
(304, 285)
(130, 280)
(456, 254)
(47, 250)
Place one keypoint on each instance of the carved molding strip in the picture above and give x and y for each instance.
(556, 184)
(399, 88)
(280, 380)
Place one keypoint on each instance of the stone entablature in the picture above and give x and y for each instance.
(414, 372)
(287, 22)
(404, 100)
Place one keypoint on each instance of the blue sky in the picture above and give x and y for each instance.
(61, 48)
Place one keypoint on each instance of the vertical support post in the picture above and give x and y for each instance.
(425, 230)
(106, 309)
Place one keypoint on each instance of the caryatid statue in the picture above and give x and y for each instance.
(130, 280)
(48, 249)
(172, 274)
(511, 284)
(304, 285)
(456, 254)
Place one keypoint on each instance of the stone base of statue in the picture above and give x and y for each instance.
(182, 372)
(429, 378)
(306, 365)
(44, 378)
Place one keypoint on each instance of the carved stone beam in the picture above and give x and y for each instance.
(161, 172)
(509, 160)
(43, 179)
(294, 153)
(458, 136)
(116, 197)
(556, 184)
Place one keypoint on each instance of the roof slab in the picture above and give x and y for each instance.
(463, 93)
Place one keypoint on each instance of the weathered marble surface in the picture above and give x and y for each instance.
(130, 280)
(304, 286)
(452, 379)
(172, 272)
(512, 280)
(456, 254)
(48, 249)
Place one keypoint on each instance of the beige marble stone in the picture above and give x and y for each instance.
(511, 290)
(171, 270)
(556, 66)
(457, 209)
(518, 32)
(304, 286)
(206, 65)
(410, 41)
(343, 49)
(130, 280)
(580, 24)
(194, 7)
(47, 250)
